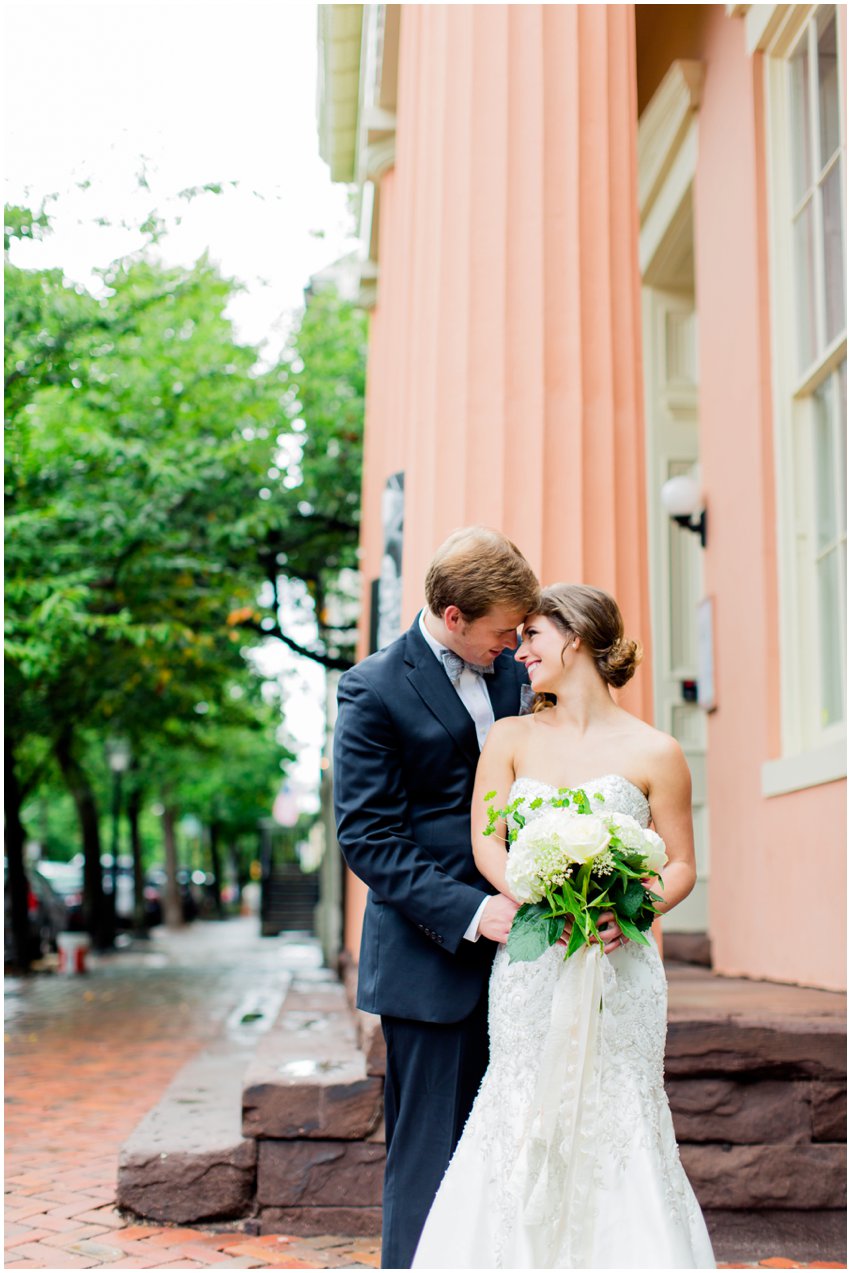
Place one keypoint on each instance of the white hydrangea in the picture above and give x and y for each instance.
(521, 874)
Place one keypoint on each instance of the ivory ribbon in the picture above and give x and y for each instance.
(554, 1168)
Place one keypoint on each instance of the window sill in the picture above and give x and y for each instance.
(809, 769)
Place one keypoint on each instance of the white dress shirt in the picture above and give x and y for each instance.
(473, 693)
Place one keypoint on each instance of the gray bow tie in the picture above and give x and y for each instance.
(455, 665)
(527, 700)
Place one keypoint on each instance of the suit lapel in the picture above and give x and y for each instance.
(504, 687)
(437, 692)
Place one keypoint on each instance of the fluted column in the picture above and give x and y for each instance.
(506, 350)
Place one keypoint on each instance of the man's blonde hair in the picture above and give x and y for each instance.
(476, 569)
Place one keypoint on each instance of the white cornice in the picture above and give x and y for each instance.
(663, 126)
(338, 87)
(358, 70)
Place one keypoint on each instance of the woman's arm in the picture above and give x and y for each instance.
(670, 807)
(495, 773)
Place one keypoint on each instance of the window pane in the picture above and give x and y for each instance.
(834, 254)
(830, 623)
(804, 285)
(825, 465)
(828, 83)
(842, 376)
(800, 124)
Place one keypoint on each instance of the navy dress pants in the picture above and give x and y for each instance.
(433, 1075)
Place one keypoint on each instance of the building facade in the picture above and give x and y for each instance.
(604, 247)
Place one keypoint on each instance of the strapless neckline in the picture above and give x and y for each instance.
(589, 782)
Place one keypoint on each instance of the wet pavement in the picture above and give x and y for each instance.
(87, 1057)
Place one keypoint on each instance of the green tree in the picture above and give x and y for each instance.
(159, 483)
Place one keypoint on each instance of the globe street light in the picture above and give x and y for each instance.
(118, 756)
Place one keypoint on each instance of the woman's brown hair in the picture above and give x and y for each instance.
(594, 616)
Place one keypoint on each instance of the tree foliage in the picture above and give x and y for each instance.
(159, 484)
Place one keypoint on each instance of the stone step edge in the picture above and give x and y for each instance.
(309, 1079)
(187, 1160)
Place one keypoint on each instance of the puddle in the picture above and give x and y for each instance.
(309, 1069)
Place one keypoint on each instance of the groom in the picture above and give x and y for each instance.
(412, 721)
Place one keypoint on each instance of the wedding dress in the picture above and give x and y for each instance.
(568, 1158)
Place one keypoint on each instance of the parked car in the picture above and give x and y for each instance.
(156, 881)
(60, 888)
(126, 892)
(34, 915)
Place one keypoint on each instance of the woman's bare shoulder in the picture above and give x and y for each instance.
(658, 753)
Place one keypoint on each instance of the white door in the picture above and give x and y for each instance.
(676, 568)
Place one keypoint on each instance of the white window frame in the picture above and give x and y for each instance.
(811, 754)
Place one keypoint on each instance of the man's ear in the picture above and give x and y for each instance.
(453, 618)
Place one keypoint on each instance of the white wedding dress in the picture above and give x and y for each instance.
(568, 1159)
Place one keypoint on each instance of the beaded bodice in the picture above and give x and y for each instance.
(619, 795)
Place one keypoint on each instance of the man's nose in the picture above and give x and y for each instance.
(511, 641)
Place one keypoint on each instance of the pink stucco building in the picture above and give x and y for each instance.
(604, 246)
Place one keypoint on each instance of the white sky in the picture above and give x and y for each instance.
(191, 92)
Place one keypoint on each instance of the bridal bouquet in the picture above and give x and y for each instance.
(571, 863)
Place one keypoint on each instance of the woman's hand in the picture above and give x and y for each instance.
(607, 927)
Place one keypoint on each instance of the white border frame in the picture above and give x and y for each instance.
(810, 756)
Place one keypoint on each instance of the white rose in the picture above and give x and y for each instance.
(583, 836)
(654, 851)
(628, 831)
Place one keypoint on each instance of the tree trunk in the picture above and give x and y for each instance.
(97, 919)
(16, 838)
(241, 875)
(173, 909)
(134, 809)
(216, 864)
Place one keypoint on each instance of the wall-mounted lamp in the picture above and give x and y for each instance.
(682, 501)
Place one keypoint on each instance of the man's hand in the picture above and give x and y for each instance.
(496, 918)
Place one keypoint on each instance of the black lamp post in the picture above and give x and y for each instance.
(118, 757)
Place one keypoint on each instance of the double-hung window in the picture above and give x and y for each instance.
(805, 77)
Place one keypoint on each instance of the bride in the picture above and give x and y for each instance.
(568, 1158)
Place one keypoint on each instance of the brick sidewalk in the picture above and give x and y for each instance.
(86, 1057)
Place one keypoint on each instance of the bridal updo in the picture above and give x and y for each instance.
(591, 614)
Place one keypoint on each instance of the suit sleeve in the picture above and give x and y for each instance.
(373, 823)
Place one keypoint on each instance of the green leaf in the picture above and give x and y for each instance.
(634, 934)
(530, 933)
(570, 901)
(555, 927)
(633, 899)
(577, 939)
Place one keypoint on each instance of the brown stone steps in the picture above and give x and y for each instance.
(756, 1078)
(278, 1122)
(755, 1074)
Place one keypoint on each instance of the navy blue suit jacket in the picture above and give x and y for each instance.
(405, 756)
